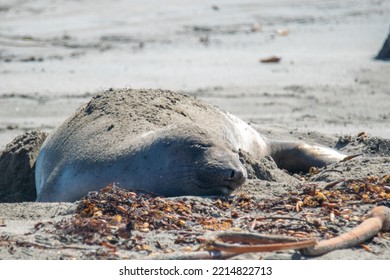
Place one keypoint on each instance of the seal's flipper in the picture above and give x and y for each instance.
(299, 156)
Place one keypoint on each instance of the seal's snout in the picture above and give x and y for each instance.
(222, 174)
(232, 178)
(226, 170)
(236, 175)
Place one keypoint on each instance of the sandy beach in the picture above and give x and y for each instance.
(326, 88)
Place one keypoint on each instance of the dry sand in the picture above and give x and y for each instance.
(55, 55)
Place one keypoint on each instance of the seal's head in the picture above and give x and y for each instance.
(174, 161)
(190, 161)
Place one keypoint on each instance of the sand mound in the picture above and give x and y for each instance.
(17, 163)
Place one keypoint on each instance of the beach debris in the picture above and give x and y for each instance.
(119, 219)
(313, 170)
(351, 157)
(219, 246)
(344, 192)
(378, 220)
(198, 255)
(204, 40)
(215, 8)
(115, 213)
(271, 59)
(2, 223)
(12, 126)
(282, 31)
(362, 136)
(256, 27)
(253, 242)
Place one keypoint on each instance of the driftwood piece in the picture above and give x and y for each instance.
(378, 220)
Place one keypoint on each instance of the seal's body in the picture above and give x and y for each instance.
(157, 141)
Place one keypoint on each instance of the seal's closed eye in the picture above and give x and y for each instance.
(201, 146)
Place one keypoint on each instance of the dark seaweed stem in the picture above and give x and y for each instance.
(257, 242)
(378, 220)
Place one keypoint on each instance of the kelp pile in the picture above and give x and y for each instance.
(118, 218)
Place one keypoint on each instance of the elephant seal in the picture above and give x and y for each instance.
(158, 141)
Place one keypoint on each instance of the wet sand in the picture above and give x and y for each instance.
(55, 55)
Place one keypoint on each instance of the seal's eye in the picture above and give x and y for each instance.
(200, 146)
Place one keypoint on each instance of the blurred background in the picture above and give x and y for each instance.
(320, 75)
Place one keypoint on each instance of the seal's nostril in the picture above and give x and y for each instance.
(236, 175)
(232, 174)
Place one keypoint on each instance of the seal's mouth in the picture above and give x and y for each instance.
(219, 190)
(226, 190)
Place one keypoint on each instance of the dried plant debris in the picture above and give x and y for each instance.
(114, 213)
(271, 59)
(117, 219)
(327, 208)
